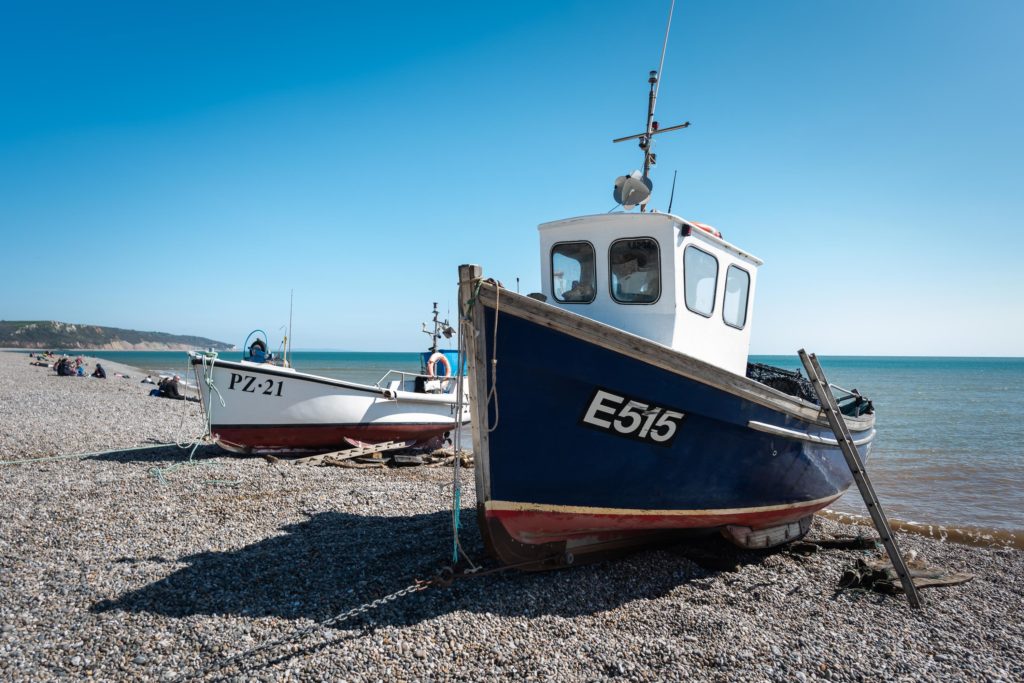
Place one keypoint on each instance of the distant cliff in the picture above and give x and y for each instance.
(34, 334)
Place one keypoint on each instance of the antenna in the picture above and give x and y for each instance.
(664, 49)
(672, 196)
(291, 308)
(441, 329)
(647, 137)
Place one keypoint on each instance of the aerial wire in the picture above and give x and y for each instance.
(664, 48)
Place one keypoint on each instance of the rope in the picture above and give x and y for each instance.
(467, 314)
(82, 456)
(189, 370)
(208, 358)
(159, 472)
(493, 393)
(460, 402)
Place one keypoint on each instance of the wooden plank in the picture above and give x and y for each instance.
(655, 354)
(357, 465)
(474, 341)
(354, 452)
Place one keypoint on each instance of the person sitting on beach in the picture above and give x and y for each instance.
(170, 387)
(147, 380)
(65, 368)
(80, 370)
(99, 372)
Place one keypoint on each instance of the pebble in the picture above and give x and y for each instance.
(109, 573)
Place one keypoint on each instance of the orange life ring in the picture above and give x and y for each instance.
(439, 357)
(707, 229)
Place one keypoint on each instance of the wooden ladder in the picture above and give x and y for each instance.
(856, 464)
(349, 453)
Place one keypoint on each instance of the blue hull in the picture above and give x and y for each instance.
(590, 445)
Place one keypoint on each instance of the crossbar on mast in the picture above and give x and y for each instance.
(654, 132)
(646, 138)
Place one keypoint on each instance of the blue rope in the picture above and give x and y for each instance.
(455, 522)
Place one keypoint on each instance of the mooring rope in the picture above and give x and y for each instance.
(460, 402)
(207, 362)
(185, 412)
(82, 456)
(493, 393)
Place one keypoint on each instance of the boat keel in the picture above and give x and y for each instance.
(757, 539)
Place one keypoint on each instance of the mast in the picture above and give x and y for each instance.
(646, 138)
(652, 125)
(440, 329)
(291, 307)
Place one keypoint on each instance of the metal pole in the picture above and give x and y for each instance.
(291, 342)
(647, 139)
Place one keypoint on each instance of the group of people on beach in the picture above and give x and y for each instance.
(65, 367)
(166, 387)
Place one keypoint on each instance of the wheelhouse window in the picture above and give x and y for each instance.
(737, 289)
(573, 272)
(635, 270)
(700, 278)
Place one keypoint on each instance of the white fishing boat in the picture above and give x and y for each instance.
(259, 404)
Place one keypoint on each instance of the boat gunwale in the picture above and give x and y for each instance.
(657, 355)
(330, 381)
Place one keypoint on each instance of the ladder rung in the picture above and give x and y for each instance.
(849, 449)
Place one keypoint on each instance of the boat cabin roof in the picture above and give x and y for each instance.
(673, 281)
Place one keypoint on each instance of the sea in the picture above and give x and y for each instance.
(949, 450)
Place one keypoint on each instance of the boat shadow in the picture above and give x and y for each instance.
(334, 561)
(159, 453)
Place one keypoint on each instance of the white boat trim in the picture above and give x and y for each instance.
(510, 506)
(267, 369)
(804, 436)
(291, 373)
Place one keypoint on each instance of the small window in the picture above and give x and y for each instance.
(734, 305)
(700, 272)
(573, 272)
(635, 267)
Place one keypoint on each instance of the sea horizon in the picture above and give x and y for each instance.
(334, 350)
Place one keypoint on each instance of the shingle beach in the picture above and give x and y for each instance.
(144, 565)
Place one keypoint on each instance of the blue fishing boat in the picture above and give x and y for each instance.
(631, 369)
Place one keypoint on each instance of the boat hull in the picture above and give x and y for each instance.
(633, 439)
(264, 408)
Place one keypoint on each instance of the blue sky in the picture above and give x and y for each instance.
(183, 167)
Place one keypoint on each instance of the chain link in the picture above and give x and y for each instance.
(444, 578)
(374, 604)
(336, 619)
